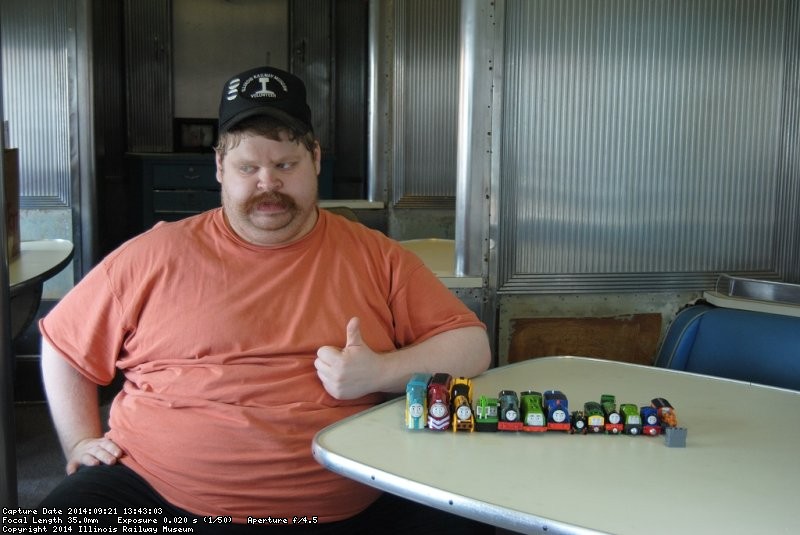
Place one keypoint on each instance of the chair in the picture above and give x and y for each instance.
(343, 211)
(747, 345)
(438, 254)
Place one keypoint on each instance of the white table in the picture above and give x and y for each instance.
(739, 471)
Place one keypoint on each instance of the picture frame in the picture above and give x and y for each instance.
(194, 135)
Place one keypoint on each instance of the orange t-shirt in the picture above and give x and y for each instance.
(217, 339)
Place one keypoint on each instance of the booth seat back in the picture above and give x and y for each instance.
(737, 344)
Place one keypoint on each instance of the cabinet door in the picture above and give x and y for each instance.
(181, 175)
(176, 204)
(174, 186)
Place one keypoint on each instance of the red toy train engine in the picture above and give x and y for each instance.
(439, 401)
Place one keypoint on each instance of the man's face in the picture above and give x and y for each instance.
(269, 189)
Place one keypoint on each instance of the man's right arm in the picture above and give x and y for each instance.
(74, 407)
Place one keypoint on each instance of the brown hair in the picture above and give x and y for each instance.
(268, 127)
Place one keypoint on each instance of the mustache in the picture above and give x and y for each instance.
(272, 197)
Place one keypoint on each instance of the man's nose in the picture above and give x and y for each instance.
(268, 181)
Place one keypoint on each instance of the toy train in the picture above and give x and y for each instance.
(440, 402)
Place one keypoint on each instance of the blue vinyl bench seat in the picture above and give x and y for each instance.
(750, 346)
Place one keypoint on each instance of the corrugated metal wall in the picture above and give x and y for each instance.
(644, 143)
(788, 236)
(425, 102)
(148, 51)
(310, 59)
(37, 48)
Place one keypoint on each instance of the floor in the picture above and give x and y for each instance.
(40, 463)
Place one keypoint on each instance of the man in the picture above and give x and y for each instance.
(243, 331)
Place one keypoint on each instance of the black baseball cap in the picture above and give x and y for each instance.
(264, 91)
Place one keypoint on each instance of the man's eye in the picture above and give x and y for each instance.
(246, 169)
(285, 165)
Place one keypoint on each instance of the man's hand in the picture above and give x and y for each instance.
(72, 399)
(92, 452)
(351, 372)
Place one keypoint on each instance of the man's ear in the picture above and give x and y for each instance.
(317, 157)
(218, 159)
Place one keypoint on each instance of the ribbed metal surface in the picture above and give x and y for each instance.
(788, 238)
(148, 51)
(642, 142)
(426, 101)
(36, 47)
(310, 53)
(778, 292)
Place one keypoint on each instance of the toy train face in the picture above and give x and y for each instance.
(631, 420)
(557, 410)
(613, 418)
(463, 410)
(509, 418)
(463, 419)
(533, 417)
(578, 423)
(438, 407)
(649, 417)
(439, 401)
(509, 406)
(417, 401)
(595, 420)
(461, 394)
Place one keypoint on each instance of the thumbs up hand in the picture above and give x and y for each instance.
(350, 372)
(354, 333)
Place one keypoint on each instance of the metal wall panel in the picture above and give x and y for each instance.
(148, 57)
(38, 98)
(642, 143)
(788, 238)
(310, 59)
(425, 102)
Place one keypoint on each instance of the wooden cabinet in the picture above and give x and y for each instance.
(174, 186)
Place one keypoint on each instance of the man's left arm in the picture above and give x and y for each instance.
(356, 370)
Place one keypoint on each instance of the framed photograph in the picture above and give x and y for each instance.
(195, 135)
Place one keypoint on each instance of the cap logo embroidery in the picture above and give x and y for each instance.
(233, 89)
(264, 91)
(261, 84)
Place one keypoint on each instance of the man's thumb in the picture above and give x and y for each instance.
(354, 333)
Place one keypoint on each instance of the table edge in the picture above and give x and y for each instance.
(24, 285)
(449, 502)
(496, 515)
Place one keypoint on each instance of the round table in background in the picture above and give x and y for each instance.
(36, 263)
